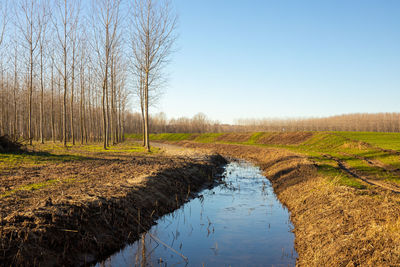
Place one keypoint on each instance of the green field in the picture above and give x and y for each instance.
(370, 154)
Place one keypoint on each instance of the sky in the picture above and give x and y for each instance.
(284, 58)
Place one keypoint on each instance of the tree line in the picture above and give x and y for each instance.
(159, 123)
(69, 67)
(364, 122)
(200, 123)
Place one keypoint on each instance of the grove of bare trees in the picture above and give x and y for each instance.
(68, 67)
(153, 36)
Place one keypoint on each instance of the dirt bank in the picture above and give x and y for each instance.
(335, 225)
(73, 213)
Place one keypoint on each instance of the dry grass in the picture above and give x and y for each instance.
(342, 226)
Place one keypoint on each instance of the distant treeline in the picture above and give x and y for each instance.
(379, 122)
(131, 123)
(159, 123)
(364, 122)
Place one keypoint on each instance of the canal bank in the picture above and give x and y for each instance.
(334, 224)
(101, 205)
(239, 222)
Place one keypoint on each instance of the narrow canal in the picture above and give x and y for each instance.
(237, 223)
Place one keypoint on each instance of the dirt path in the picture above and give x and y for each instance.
(355, 173)
(179, 151)
(75, 212)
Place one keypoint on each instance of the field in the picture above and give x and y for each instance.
(340, 187)
(356, 159)
(74, 204)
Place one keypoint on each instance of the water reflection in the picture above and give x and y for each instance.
(238, 223)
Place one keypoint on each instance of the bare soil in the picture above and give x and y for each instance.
(289, 138)
(234, 137)
(84, 210)
(335, 225)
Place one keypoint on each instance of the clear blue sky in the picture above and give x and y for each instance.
(284, 58)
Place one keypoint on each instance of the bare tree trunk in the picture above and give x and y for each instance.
(72, 95)
(143, 124)
(108, 116)
(103, 99)
(53, 135)
(65, 82)
(14, 94)
(88, 125)
(112, 100)
(60, 113)
(30, 93)
(146, 111)
(119, 115)
(142, 100)
(41, 96)
(2, 102)
(81, 101)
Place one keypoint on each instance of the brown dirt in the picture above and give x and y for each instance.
(334, 225)
(91, 208)
(234, 137)
(290, 138)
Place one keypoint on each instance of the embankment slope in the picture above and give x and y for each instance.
(77, 212)
(335, 224)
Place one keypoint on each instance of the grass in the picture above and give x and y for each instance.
(255, 137)
(34, 158)
(381, 140)
(208, 137)
(57, 153)
(352, 148)
(171, 137)
(92, 148)
(49, 152)
(29, 187)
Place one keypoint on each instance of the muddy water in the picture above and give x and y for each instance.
(238, 223)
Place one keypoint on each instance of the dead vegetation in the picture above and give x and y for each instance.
(8, 145)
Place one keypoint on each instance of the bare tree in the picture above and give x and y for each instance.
(152, 42)
(3, 23)
(73, 44)
(82, 113)
(49, 62)
(44, 18)
(65, 25)
(29, 25)
(106, 22)
(3, 19)
(53, 134)
(15, 91)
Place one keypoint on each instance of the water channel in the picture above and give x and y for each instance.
(237, 223)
